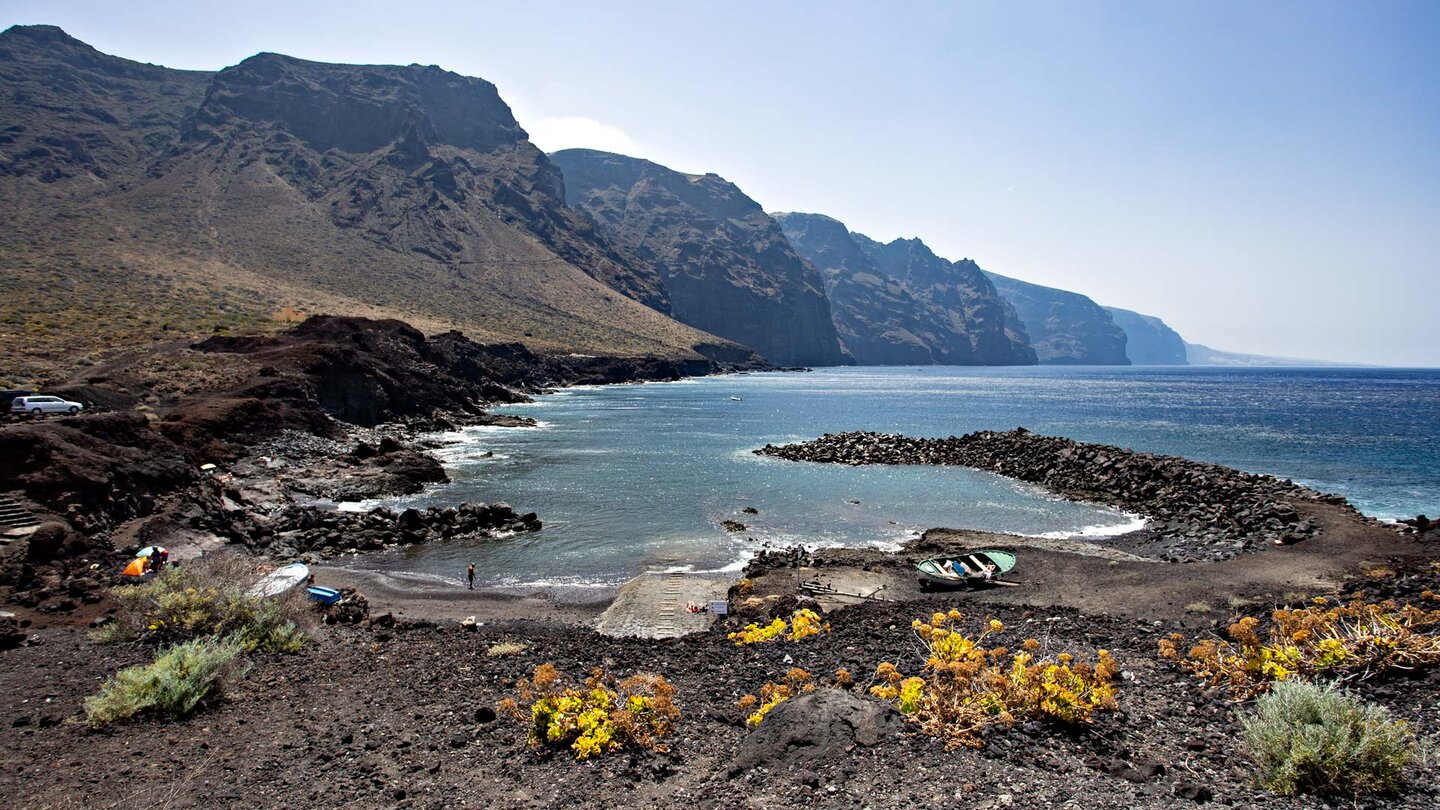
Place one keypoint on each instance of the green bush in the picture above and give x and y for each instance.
(171, 686)
(207, 598)
(1316, 739)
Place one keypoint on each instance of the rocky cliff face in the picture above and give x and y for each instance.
(726, 266)
(936, 313)
(1148, 340)
(151, 202)
(1066, 328)
(961, 291)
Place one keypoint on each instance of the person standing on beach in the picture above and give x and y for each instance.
(470, 575)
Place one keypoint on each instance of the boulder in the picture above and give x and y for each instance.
(825, 724)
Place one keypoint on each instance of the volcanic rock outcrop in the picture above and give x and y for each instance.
(727, 267)
(932, 312)
(365, 372)
(1195, 511)
(297, 530)
(96, 470)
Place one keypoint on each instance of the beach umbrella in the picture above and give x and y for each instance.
(150, 550)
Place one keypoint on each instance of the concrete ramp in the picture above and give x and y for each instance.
(652, 605)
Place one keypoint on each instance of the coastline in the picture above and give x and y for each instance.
(411, 599)
(398, 706)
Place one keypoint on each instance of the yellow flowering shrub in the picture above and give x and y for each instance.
(795, 683)
(966, 685)
(597, 717)
(803, 624)
(1350, 641)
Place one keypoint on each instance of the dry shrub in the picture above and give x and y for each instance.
(795, 683)
(1312, 739)
(966, 686)
(803, 624)
(504, 648)
(598, 717)
(206, 598)
(1350, 641)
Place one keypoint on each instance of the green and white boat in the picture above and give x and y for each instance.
(965, 570)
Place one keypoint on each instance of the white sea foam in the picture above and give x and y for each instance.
(734, 567)
(1133, 523)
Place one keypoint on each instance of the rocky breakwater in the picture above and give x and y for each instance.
(297, 530)
(1195, 511)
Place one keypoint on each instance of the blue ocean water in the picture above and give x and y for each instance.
(636, 477)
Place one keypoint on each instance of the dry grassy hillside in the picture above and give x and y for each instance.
(147, 204)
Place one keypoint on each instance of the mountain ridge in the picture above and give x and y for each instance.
(902, 304)
(1065, 328)
(153, 204)
(726, 265)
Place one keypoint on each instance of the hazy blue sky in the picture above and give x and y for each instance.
(1264, 176)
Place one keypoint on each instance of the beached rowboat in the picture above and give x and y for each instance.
(280, 580)
(322, 594)
(965, 570)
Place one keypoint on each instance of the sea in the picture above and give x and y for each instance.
(634, 478)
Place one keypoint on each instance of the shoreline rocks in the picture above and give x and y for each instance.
(1195, 510)
(297, 530)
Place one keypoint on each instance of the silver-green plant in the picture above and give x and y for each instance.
(170, 686)
(1306, 738)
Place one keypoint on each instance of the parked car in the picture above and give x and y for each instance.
(42, 404)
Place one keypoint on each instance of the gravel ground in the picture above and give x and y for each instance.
(383, 717)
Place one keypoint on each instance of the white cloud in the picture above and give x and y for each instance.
(570, 132)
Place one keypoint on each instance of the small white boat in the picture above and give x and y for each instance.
(736, 399)
(280, 581)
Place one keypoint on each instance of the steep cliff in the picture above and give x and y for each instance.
(727, 267)
(150, 202)
(1066, 328)
(959, 289)
(1148, 340)
(942, 313)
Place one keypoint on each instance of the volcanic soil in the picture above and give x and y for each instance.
(402, 716)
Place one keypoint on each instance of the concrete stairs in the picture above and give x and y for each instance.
(15, 520)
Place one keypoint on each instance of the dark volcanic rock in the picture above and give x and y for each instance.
(297, 530)
(1196, 511)
(1066, 328)
(823, 725)
(941, 313)
(726, 266)
(96, 469)
(1148, 340)
(366, 372)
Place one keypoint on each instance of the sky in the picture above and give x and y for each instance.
(1263, 176)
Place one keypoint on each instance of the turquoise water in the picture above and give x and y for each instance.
(637, 477)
